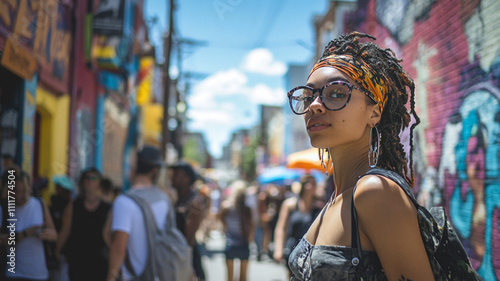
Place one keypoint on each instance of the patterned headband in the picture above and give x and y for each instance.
(373, 82)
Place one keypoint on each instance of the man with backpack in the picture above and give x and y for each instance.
(145, 244)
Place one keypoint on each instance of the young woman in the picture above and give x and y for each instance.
(295, 217)
(238, 227)
(86, 250)
(354, 108)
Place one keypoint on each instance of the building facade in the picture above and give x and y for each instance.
(68, 82)
(35, 73)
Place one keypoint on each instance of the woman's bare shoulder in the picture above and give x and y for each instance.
(388, 221)
(378, 196)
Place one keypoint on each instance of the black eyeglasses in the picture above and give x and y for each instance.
(334, 96)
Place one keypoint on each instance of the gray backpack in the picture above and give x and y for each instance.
(170, 256)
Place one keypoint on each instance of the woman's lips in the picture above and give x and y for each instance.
(317, 127)
(316, 124)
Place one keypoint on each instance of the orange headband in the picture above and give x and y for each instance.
(361, 73)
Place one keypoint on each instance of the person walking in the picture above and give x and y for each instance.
(295, 217)
(239, 229)
(129, 242)
(354, 107)
(33, 227)
(85, 249)
(191, 209)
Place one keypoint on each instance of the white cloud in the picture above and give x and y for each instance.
(217, 91)
(262, 61)
(222, 83)
(205, 117)
(263, 94)
(224, 102)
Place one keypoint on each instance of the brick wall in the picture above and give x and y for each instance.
(452, 50)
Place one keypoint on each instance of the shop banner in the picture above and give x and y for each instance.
(18, 60)
(108, 19)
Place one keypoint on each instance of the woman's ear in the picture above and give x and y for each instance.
(375, 115)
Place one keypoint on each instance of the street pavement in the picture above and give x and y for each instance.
(214, 263)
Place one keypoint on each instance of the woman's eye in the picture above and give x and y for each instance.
(336, 95)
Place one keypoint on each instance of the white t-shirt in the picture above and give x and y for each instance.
(29, 254)
(128, 217)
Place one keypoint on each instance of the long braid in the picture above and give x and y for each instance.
(394, 116)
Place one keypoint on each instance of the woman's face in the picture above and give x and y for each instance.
(328, 129)
(310, 186)
(22, 193)
(91, 182)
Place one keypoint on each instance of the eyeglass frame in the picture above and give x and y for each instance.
(320, 90)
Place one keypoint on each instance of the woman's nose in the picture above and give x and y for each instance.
(317, 106)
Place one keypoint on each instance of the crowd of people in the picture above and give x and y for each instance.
(90, 230)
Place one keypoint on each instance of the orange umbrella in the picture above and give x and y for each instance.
(306, 159)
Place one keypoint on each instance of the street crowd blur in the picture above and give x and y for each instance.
(71, 237)
(83, 130)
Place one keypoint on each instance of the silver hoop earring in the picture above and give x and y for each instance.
(374, 151)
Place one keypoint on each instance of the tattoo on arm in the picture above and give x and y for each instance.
(403, 278)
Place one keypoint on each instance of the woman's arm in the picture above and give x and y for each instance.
(106, 230)
(281, 226)
(197, 211)
(48, 232)
(65, 227)
(388, 224)
(117, 254)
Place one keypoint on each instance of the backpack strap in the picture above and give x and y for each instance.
(151, 229)
(355, 240)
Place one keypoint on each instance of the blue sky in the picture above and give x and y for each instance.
(249, 44)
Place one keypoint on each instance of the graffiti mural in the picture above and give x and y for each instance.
(452, 51)
(469, 174)
(399, 16)
(472, 187)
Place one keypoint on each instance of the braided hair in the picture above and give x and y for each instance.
(394, 117)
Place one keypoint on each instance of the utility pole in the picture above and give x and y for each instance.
(167, 81)
(184, 47)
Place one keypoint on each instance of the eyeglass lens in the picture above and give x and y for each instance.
(335, 96)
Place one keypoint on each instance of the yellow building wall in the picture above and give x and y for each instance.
(54, 136)
(146, 73)
(152, 116)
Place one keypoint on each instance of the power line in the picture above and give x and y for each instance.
(272, 16)
(233, 46)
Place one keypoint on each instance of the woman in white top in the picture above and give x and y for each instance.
(33, 225)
